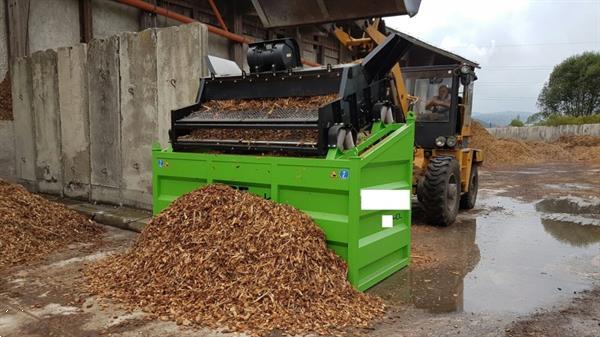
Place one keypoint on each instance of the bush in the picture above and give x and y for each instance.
(516, 122)
(555, 120)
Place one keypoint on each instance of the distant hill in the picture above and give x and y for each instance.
(500, 118)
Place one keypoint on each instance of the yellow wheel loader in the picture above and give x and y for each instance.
(441, 96)
(434, 84)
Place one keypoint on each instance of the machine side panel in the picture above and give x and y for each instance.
(327, 190)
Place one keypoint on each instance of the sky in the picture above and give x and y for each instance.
(516, 42)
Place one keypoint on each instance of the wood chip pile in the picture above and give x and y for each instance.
(221, 258)
(509, 152)
(6, 112)
(241, 135)
(32, 227)
(309, 103)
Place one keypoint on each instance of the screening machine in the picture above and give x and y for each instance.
(328, 140)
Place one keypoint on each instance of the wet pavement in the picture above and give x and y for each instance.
(531, 245)
(525, 247)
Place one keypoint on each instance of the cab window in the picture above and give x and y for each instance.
(434, 97)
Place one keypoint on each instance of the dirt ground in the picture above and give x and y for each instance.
(524, 262)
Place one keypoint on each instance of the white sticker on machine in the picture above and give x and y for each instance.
(384, 200)
(387, 221)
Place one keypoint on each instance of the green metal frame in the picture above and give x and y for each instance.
(328, 189)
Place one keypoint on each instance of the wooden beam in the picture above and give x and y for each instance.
(237, 27)
(85, 21)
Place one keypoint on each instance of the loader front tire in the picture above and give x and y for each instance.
(440, 193)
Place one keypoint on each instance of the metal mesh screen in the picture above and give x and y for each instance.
(246, 115)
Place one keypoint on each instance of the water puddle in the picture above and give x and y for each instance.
(510, 261)
(569, 186)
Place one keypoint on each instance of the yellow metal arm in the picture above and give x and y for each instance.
(375, 37)
(403, 97)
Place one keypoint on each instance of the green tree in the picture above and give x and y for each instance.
(573, 88)
(516, 122)
(535, 118)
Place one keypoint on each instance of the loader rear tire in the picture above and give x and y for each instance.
(441, 191)
(467, 200)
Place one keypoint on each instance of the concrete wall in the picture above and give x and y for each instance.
(57, 22)
(7, 151)
(74, 120)
(3, 41)
(22, 96)
(53, 24)
(86, 116)
(46, 117)
(139, 116)
(105, 119)
(110, 18)
(546, 133)
(180, 64)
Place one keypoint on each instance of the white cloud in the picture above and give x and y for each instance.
(516, 42)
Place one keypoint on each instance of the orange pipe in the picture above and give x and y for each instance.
(217, 14)
(185, 19)
(182, 18)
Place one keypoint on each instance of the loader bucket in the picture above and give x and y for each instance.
(277, 13)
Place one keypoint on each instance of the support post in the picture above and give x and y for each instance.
(237, 49)
(85, 20)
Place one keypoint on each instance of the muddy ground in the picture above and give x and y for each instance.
(524, 262)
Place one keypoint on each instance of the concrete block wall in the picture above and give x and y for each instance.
(46, 120)
(546, 133)
(86, 116)
(179, 67)
(139, 114)
(24, 133)
(74, 120)
(105, 119)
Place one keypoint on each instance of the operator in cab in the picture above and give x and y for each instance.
(439, 105)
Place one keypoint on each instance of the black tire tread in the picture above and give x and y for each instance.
(434, 190)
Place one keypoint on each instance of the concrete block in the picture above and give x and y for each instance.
(22, 95)
(104, 119)
(181, 56)
(138, 225)
(48, 169)
(137, 57)
(121, 217)
(74, 117)
(7, 151)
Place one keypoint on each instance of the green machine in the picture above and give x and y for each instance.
(330, 141)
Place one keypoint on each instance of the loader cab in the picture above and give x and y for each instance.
(438, 126)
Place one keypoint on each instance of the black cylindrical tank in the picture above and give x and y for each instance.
(273, 55)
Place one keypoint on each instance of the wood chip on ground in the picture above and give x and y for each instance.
(221, 258)
(32, 227)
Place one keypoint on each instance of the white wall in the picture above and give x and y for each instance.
(53, 24)
(546, 133)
